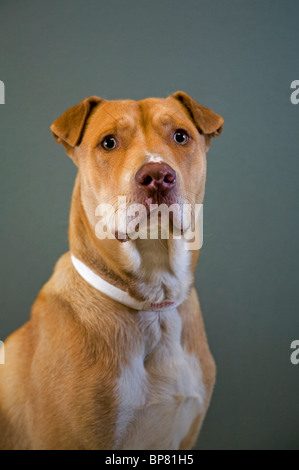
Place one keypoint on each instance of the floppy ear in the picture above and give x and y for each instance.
(207, 122)
(68, 129)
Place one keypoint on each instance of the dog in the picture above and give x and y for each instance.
(115, 354)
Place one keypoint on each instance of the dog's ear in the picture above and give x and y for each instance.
(207, 122)
(68, 129)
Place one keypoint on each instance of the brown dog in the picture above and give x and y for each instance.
(115, 354)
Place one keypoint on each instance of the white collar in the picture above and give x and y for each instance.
(115, 293)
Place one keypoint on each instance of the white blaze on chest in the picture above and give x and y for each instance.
(162, 268)
(161, 392)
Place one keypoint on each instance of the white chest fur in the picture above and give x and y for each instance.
(161, 392)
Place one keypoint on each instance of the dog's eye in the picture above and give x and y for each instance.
(180, 137)
(109, 143)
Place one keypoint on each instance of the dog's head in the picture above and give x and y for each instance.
(151, 151)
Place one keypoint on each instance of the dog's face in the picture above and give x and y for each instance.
(151, 151)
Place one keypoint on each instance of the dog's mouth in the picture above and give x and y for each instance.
(151, 227)
(151, 218)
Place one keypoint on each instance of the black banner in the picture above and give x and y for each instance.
(138, 459)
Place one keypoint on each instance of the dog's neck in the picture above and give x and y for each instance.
(153, 270)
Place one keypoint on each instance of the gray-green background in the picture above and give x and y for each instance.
(238, 57)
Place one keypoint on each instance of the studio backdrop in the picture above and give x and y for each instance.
(239, 58)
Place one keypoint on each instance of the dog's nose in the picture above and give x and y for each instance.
(154, 177)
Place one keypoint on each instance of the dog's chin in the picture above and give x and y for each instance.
(150, 203)
(148, 226)
(143, 224)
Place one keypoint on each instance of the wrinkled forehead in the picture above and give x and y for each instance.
(127, 115)
(115, 113)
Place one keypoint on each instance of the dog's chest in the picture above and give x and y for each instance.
(160, 392)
